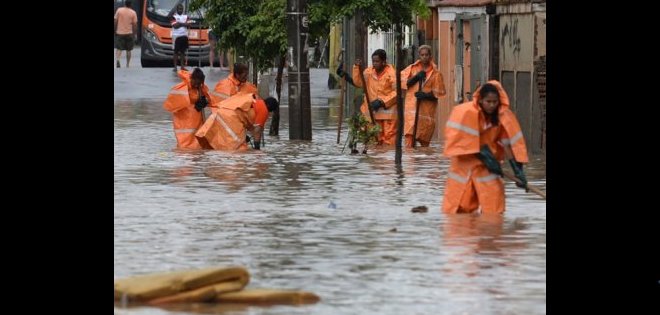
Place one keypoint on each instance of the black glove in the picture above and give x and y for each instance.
(425, 96)
(520, 174)
(340, 71)
(348, 79)
(419, 76)
(344, 75)
(247, 139)
(201, 103)
(375, 105)
(487, 157)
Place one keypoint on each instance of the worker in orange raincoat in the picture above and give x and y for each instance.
(381, 87)
(422, 73)
(227, 128)
(479, 134)
(235, 83)
(186, 105)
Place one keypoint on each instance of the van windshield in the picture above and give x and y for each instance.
(159, 11)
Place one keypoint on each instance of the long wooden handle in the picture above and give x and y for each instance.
(201, 93)
(414, 136)
(366, 94)
(530, 187)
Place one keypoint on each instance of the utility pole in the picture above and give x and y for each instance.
(300, 118)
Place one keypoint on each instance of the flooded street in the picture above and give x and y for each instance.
(302, 215)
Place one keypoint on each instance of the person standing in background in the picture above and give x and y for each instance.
(180, 36)
(125, 30)
(213, 42)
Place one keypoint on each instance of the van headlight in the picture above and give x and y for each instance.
(150, 36)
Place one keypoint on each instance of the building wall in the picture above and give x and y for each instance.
(516, 34)
(467, 60)
(537, 142)
(516, 42)
(434, 27)
(457, 74)
(537, 137)
(516, 37)
(445, 59)
(539, 41)
(522, 45)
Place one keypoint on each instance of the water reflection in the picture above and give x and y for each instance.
(237, 174)
(480, 248)
(480, 233)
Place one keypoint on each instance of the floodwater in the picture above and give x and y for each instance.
(302, 215)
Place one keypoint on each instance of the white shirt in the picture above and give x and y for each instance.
(181, 31)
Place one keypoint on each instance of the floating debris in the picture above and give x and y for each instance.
(420, 209)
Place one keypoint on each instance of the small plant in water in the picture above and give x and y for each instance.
(360, 130)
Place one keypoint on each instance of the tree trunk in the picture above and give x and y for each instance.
(399, 98)
(255, 76)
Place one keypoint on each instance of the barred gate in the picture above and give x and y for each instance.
(389, 42)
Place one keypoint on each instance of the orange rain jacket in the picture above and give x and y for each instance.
(426, 121)
(382, 87)
(469, 183)
(227, 88)
(185, 118)
(227, 127)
